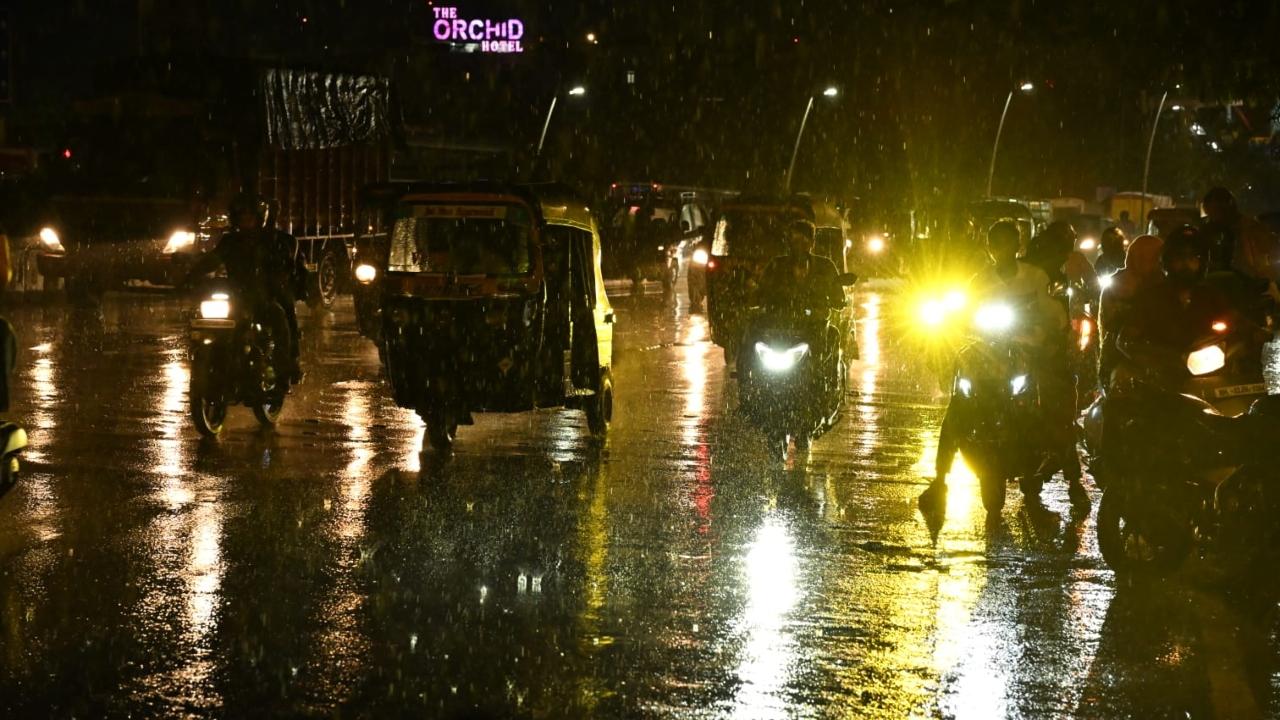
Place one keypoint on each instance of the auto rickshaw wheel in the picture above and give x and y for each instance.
(442, 428)
(322, 290)
(599, 408)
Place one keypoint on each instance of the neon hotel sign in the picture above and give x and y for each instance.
(500, 36)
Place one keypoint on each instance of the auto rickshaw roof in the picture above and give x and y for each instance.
(556, 203)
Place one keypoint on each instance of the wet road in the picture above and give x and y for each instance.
(328, 568)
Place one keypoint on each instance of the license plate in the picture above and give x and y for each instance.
(1238, 390)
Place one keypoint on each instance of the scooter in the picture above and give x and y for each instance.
(792, 374)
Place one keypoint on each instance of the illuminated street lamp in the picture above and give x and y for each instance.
(1025, 87)
(1146, 167)
(830, 92)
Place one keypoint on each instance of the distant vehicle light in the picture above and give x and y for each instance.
(365, 273)
(1220, 327)
(1086, 334)
(1018, 385)
(965, 387)
(1206, 360)
(1106, 281)
(179, 240)
(701, 257)
(1088, 245)
(875, 244)
(50, 238)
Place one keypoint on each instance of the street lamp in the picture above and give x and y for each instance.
(1146, 167)
(575, 91)
(1025, 87)
(830, 92)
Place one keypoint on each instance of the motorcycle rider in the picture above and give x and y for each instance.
(1237, 242)
(1112, 256)
(1175, 310)
(1026, 285)
(801, 280)
(1141, 268)
(261, 265)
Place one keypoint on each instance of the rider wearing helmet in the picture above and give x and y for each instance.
(801, 278)
(1236, 241)
(261, 264)
(1179, 308)
(1024, 283)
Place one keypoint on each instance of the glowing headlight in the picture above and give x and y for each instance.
(700, 256)
(50, 238)
(366, 273)
(1105, 281)
(1206, 360)
(217, 307)
(875, 244)
(994, 318)
(965, 387)
(1018, 385)
(780, 361)
(1088, 245)
(179, 240)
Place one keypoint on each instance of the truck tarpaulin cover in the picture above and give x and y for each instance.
(322, 110)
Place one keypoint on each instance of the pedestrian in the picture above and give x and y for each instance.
(1126, 224)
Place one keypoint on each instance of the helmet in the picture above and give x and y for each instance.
(248, 203)
(802, 226)
(1180, 245)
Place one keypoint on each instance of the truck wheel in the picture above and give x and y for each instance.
(322, 290)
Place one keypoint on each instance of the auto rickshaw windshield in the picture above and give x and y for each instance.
(468, 239)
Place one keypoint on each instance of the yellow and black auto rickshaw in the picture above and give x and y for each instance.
(490, 298)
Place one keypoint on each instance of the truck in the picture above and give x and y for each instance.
(138, 186)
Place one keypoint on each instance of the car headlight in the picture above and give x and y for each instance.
(965, 387)
(700, 256)
(1206, 360)
(1018, 385)
(179, 240)
(994, 318)
(780, 360)
(365, 273)
(875, 244)
(50, 238)
(217, 307)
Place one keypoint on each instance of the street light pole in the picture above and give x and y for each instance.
(1146, 167)
(546, 124)
(991, 171)
(791, 168)
(1025, 87)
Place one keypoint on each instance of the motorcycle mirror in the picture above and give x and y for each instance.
(847, 279)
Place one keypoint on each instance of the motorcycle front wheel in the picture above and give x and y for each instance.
(209, 413)
(1135, 546)
(442, 428)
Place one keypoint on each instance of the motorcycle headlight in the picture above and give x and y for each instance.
(965, 387)
(994, 318)
(875, 244)
(1206, 360)
(179, 240)
(365, 273)
(780, 360)
(700, 256)
(49, 237)
(1018, 385)
(217, 307)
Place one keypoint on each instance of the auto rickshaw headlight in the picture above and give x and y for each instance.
(365, 273)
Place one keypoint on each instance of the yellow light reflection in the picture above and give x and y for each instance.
(962, 484)
(694, 367)
(769, 653)
(204, 570)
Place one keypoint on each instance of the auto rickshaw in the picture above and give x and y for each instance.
(749, 233)
(491, 300)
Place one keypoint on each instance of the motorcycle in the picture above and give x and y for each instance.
(1187, 456)
(13, 438)
(233, 362)
(792, 374)
(994, 418)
